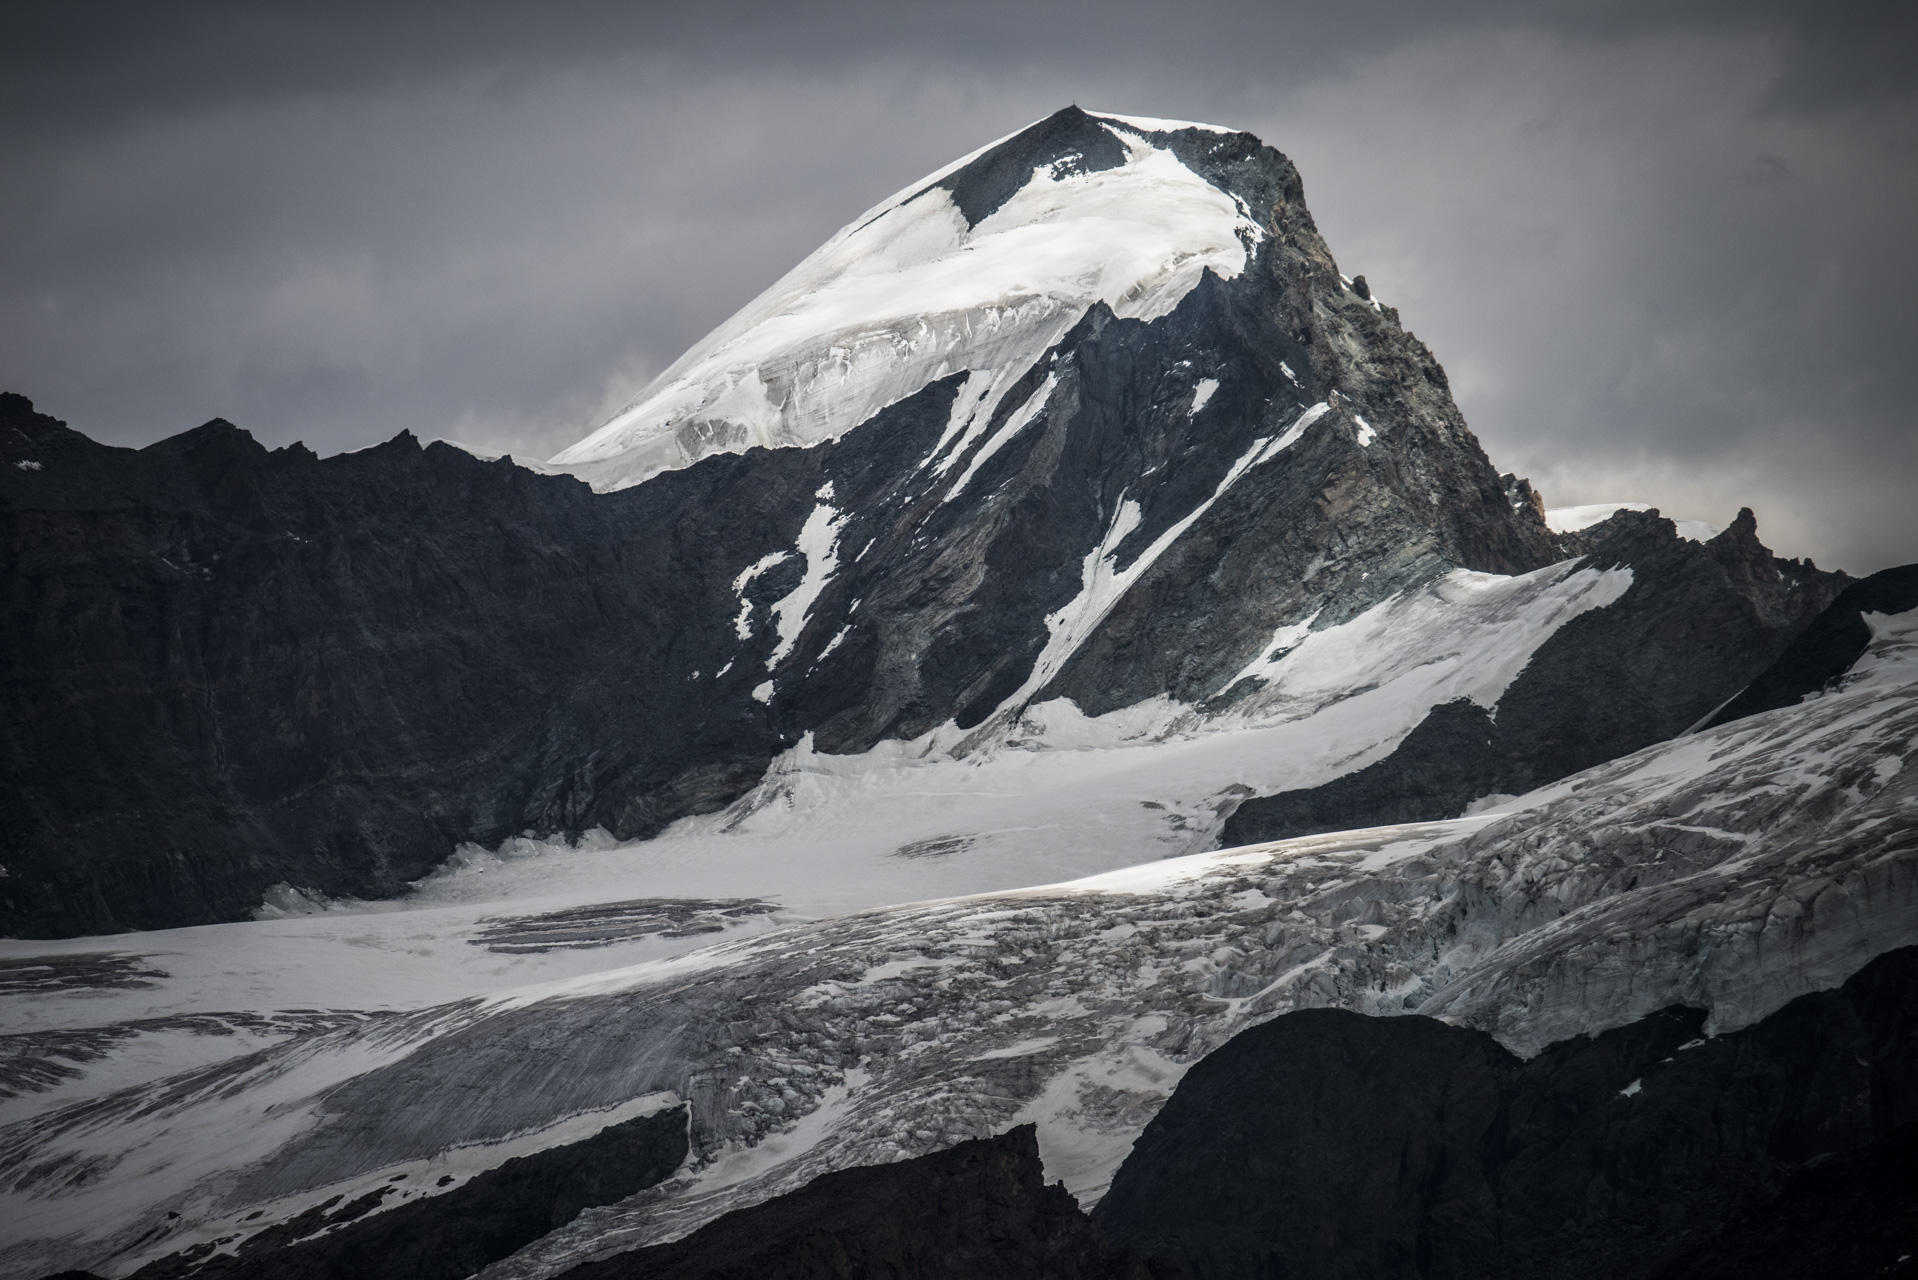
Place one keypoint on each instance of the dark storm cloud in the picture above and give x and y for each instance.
(1663, 250)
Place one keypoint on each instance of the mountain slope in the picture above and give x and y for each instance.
(328, 673)
(1826, 649)
(1697, 620)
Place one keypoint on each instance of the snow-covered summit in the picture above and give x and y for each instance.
(977, 267)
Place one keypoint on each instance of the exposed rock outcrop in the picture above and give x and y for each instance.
(978, 1211)
(1825, 650)
(450, 1233)
(1698, 623)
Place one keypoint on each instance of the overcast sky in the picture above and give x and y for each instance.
(1665, 252)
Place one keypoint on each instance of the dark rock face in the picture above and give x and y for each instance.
(1697, 624)
(1829, 646)
(1068, 141)
(1449, 760)
(1325, 1143)
(980, 1209)
(1333, 526)
(454, 1233)
(1854, 1214)
(226, 668)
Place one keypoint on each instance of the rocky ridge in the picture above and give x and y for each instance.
(1698, 620)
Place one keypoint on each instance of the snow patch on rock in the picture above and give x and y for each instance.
(818, 542)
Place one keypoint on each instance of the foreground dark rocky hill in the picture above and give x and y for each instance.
(980, 1209)
(449, 1234)
(1328, 1144)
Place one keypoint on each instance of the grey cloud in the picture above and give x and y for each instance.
(1660, 248)
(88, 58)
(1639, 315)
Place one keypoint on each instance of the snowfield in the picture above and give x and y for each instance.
(1733, 870)
(908, 293)
(1046, 796)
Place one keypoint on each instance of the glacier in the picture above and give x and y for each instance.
(1731, 870)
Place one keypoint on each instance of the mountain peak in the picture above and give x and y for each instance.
(1068, 143)
(979, 268)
